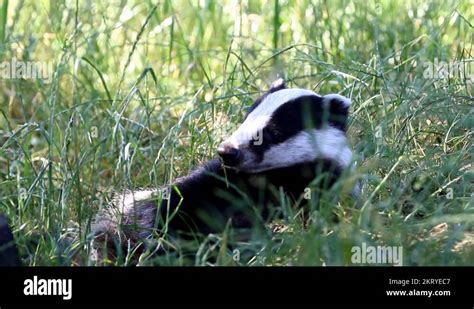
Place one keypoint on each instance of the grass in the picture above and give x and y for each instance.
(143, 91)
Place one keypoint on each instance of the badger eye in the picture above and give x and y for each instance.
(272, 136)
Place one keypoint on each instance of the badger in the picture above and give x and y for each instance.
(8, 249)
(288, 137)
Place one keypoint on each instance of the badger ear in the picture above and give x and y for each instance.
(337, 103)
(279, 84)
(338, 107)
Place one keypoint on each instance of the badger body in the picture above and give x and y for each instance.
(288, 138)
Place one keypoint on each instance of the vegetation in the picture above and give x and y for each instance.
(137, 93)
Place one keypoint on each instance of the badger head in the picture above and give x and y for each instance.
(286, 127)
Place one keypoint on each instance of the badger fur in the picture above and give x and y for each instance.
(288, 137)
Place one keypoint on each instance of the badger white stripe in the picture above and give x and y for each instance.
(331, 143)
(253, 126)
(327, 143)
(277, 99)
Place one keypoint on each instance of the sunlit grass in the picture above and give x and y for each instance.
(140, 91)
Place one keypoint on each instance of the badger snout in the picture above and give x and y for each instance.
(229, 154)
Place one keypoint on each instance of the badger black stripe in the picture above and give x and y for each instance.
(303, 113)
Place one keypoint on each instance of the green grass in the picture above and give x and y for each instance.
(143, 91)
